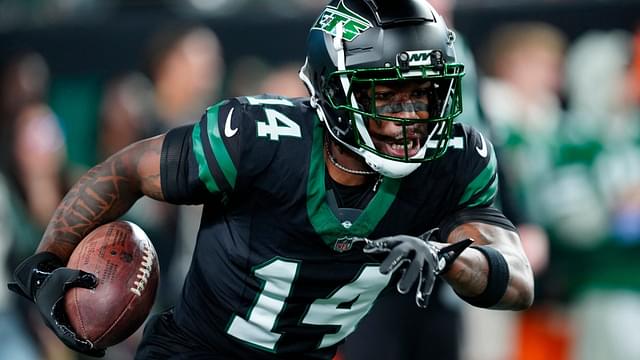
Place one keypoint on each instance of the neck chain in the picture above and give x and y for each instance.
(342, 167)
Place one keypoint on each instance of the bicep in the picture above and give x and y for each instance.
(486, 226)
(144, 159)
(506, 240)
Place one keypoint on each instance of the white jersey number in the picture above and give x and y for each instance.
(279, 276)
(277, 124)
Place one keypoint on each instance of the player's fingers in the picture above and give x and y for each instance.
(86, 347)
(400, 290)
(86, 280)
(60, 279)
(57, 322)
(422, 299)
(74, 278)
(393, 261)
(384, 244)
(425, 286)
(369, 249)
(69, 338)
(409, 277)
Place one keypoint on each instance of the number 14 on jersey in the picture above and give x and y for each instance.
(279, 276)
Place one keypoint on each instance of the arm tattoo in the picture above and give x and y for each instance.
(468, 279)
(103, 194)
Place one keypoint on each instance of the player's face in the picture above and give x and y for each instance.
(407, 100)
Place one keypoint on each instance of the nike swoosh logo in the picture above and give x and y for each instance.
(228, 131)
(482, 150)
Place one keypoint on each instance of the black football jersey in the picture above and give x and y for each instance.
(275, 272)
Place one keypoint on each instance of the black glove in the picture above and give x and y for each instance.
(419, 260)
(42, 279)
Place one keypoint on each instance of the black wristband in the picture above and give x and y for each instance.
(497, 279)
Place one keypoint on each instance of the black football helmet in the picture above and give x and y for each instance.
(357, 45)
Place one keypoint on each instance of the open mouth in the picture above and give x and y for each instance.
(395, 146)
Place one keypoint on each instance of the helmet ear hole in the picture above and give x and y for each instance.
(335, 92)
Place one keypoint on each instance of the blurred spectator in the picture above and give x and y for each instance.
(34, 146)
(523, 62)
(186, 67)
(15, 340)
(634, 69)
(246, 76)
(127, 113)
(39, 153)
(32, 164)
(522, 101)
(521, 98)
(32, 155)
(284, 81)
(591, 199)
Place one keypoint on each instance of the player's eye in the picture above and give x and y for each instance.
(420, 93)
(384, 95)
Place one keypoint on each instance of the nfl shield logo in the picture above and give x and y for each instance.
(343, 244)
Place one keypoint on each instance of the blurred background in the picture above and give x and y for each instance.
(554, 83)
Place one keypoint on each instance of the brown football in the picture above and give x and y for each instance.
(123, 259)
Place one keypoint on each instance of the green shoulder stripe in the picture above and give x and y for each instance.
(486, 182)
(217, 144)
(211, 154)
(203, 169)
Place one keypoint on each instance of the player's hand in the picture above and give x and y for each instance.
(419, 260)
(42, 279)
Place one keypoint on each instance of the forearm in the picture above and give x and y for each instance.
(469, 274)
(103, 194)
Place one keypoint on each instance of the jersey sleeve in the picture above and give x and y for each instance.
(200, 162)
(477, 177)
(178, 170)
(478, 172)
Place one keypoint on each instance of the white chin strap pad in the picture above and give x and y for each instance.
(389, 168)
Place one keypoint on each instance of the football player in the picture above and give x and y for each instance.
(313, 207)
